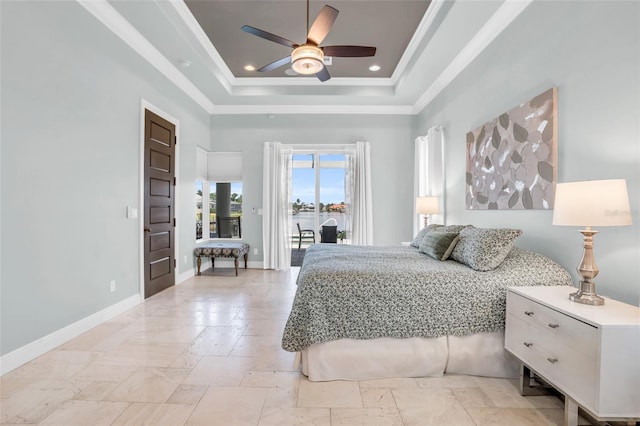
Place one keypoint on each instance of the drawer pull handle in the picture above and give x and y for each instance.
(528, 344)
(552, 360)
(554, 325)
(528, 313)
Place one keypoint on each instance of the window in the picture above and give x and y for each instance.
(218, 185)
(318, 193)
(225, 209)
(199, 218)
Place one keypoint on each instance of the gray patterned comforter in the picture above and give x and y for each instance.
(368, 292)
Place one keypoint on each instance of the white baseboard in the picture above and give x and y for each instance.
(185, 276)
(32, 350)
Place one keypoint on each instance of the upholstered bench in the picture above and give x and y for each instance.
(225, 249)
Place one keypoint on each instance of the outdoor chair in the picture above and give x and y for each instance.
(305, 234)
(228, 227)
(329, 233)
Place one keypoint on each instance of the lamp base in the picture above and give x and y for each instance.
(586, 295)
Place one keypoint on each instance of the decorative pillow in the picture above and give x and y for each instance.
(420, 235)
(484, 249)
(438, 245)
(451, 228)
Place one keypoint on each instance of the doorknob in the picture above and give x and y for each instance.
(147, 229)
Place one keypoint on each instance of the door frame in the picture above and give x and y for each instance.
(146, 105)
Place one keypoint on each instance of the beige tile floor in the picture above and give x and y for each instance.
(207, 352)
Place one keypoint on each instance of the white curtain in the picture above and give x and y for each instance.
(429, 173)
(358, 188)
(276, 221)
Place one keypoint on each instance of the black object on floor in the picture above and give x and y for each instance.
(329, 234)
(297, 256)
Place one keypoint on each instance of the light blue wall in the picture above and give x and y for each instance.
(70, 130)
(70, 150)
(590, 51)
(391, 159)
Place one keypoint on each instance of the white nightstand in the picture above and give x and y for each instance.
(589, 353)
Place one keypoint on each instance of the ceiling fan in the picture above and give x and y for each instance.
(308, 58)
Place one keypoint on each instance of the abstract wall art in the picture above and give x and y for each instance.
(512, 159)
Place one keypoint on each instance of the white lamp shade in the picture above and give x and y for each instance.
(592, 203)
(427, 205)
(307, 59)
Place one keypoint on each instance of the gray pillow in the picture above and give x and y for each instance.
(451, 228)
(484, 249)
(418, 238)
(438, 245)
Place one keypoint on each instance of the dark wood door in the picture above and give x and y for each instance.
(159, 210)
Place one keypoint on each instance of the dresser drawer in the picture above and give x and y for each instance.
(572, 370)
(561, 327)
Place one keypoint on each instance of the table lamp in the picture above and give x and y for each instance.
(591, 203)
(427, 206)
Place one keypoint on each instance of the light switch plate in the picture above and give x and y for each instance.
(132, 212)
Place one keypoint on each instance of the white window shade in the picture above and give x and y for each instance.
(201, 164)
(224, 167)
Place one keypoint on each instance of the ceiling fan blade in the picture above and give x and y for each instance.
(276, 64)
(268, 36)
(322, 25)
(349, 51)
(323, 75)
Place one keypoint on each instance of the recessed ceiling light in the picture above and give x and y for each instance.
(249, 68)
(374, 68)
(290, 71)
(184, 63)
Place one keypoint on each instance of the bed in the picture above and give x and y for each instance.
(369, 312)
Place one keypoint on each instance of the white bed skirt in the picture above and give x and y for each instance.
(480, 354)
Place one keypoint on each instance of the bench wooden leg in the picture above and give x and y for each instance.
(246, 255)
(199, 262)
(235, 262)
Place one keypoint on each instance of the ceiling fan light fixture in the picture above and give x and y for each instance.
(307, 59)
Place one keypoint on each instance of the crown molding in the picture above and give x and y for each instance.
(418, 36)
(498, 22)
(312, 81)
(108, 16)
(314, 109)
(225, 76)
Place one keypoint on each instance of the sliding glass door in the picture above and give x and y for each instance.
(318, 196)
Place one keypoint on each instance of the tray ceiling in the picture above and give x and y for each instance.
(422, 47)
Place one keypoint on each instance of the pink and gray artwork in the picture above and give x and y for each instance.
(511, 160)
